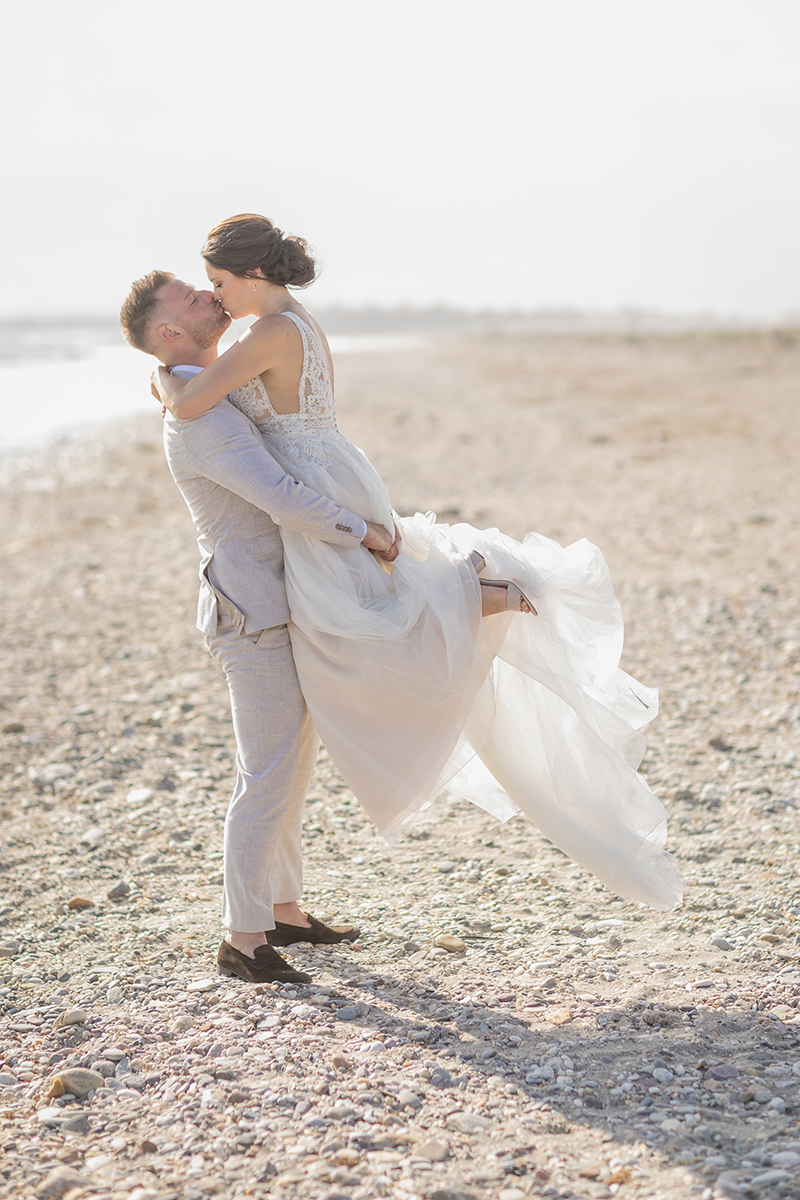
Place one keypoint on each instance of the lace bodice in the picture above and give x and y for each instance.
(302, 434)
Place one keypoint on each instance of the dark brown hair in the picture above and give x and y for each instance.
(252, 247)
(137, 315)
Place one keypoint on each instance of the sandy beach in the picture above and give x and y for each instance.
(561, 1041)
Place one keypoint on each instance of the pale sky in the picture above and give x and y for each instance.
(593, 154)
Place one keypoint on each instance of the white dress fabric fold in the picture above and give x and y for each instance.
(412, 692)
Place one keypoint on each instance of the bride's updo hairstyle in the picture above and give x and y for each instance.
(252, 247)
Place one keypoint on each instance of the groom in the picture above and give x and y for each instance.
(238, 496)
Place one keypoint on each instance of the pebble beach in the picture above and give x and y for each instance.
(505, 1027)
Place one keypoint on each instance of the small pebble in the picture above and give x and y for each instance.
(558, 1016)
(202, 985)
(140, 795)
(451, 943)
(70, 1016)
(96, 1162)
(79, 1123)
(434, 1151)
(722, 1071)
(75, 1080)
(469, 1123)
(786, 1158)
(769, 1178)
(50, 1116)
(61, 1180)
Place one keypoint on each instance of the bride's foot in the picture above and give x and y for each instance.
(498, 595)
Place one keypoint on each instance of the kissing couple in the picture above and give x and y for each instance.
(425, 656)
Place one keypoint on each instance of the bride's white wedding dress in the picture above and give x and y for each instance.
(411, 691)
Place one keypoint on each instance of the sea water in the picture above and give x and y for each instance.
(42, 400)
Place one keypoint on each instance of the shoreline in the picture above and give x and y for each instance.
(45, 338)
(90, 374)
(100, 375)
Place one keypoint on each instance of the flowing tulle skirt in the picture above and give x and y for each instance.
(412, 692)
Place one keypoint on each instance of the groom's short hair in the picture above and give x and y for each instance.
(138, 314)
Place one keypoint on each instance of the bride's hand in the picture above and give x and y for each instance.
(166, 387)
(154, 392)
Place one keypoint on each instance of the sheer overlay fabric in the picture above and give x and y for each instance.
(412, 692)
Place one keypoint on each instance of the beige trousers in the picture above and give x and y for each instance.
(276, 752)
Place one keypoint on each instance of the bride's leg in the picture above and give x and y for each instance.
(493, 600)
(498, 595)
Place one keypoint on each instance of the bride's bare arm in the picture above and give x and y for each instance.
(257, 350)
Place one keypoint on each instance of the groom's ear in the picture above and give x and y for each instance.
(170, 334)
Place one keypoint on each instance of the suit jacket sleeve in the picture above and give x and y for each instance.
(225, 447)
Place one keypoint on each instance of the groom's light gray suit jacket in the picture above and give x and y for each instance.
(238, 495)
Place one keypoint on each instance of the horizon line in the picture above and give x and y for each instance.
(626, 312)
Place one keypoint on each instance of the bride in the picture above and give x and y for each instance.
(472, 662)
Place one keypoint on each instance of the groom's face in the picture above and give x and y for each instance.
(196, 315)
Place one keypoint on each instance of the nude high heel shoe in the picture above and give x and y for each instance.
(516, 600)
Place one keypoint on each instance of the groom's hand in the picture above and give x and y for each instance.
(380, 541)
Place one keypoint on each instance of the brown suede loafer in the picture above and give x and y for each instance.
(267, 967)
(318, 934)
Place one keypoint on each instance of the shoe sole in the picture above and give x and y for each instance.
(275, 979)
(307, 942)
